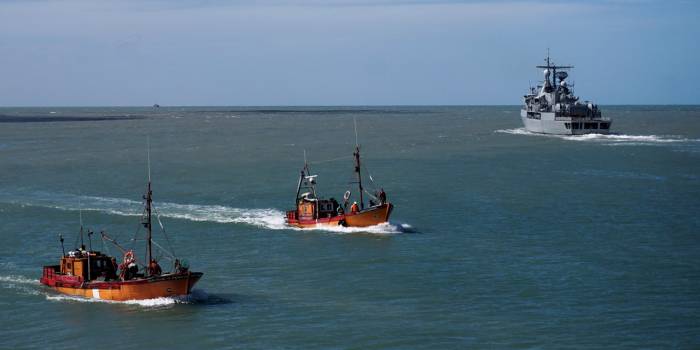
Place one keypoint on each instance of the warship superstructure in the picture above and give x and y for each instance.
(552, 108)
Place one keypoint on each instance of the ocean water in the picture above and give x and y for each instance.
(500, 239)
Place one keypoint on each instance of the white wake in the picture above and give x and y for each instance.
(24, 285)
(608, 139)
(268, 218)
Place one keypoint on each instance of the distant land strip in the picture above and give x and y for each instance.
(52, 119)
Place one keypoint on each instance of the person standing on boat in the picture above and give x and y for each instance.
(112, 274)
(354, 208)
(154, 269)
(382, 196)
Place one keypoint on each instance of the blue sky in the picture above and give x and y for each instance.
(342, 52)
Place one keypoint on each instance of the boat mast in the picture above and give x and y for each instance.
(357, 165)
(301, 179)
(149, 199)
(82, 242)
(80, 211)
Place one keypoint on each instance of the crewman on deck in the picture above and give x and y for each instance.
(354, 208)
(154, 269)
(112, 274)
(382, 196)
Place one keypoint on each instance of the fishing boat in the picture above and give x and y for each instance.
(92, 274)
(313, 211)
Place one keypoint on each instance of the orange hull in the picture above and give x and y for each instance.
(169, 285)
(368, 217)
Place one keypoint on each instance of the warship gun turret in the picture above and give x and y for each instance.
(552, 108)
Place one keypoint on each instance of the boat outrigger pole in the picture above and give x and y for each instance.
(113, 241)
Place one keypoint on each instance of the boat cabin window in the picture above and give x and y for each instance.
(605, 125)
(576, 125)
(325, 206)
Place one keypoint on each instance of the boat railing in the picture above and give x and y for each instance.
(50, 271)
(291, 215)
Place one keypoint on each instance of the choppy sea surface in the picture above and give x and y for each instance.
(500, 239)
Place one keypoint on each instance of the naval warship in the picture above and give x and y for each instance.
(552, 108)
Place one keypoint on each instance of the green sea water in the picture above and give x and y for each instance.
(500, 239)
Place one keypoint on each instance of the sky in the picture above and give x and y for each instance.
(342, 52)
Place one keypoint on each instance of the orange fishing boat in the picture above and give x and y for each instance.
(92, 274)
(312, 211)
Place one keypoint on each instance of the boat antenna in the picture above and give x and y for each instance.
(63, 249)
(354, 120)
(89, 234)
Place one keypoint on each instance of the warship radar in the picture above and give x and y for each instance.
(552, 108)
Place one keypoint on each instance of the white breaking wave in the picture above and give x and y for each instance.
(268, 218)
(612, 139)
(196, 296)
(156, 302)
(386, 228)
(33, 287)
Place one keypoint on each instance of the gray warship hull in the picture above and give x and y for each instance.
(554, 123)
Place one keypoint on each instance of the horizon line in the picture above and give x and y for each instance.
(329, 105)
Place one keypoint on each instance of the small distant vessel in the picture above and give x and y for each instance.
(92, 274)
(552, 108)
(156, 106)
(312, 211)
